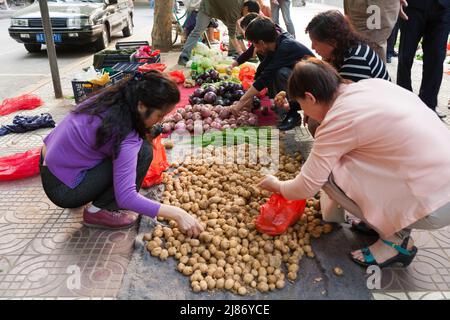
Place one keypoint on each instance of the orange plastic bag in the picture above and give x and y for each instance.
(177, 76)
(277, 214)
(23, 102)
(20, 165)
(158, 166)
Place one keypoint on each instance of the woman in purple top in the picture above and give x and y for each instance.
(99, 154)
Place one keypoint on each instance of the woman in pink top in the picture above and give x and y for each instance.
(379, 152)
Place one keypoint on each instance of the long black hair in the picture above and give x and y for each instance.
(118, 106)
(333, 27)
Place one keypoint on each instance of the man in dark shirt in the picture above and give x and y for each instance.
(281, 52)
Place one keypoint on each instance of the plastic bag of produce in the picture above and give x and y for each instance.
(200, 49)
(20, 165)
(158, 166)
(278, 214)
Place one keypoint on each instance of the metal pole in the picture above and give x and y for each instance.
(51, 51)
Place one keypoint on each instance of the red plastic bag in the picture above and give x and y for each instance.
(20, 165)
(23, 102)
(158, 166)
(177, 76)
(277, 214)
(152, 66)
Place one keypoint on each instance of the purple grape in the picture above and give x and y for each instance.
(199, 93)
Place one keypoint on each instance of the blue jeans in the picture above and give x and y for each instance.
(285, 11)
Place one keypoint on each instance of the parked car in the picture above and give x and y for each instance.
(74, 22)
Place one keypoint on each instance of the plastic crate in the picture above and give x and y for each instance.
(134, 45)
(108, 58)
(127, 68)
(83, 89)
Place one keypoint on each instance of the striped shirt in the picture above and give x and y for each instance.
(362, 62)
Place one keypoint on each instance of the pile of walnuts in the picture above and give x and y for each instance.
(231, 254)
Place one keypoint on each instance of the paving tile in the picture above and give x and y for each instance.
(387, 295)
(418, 295)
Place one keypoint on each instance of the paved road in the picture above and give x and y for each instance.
(20, 69)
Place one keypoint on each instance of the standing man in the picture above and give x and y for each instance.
(228, 12)
(428, 20)
(361, 15)
(285, 7)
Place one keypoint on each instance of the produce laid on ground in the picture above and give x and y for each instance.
(204, 117)
(231, 254)
(224, 94)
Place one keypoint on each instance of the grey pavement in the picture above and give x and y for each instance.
(40, 243)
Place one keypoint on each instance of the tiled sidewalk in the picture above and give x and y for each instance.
(42, 247)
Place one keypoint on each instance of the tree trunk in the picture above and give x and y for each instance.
(162, 25)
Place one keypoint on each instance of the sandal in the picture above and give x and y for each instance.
(404, 256)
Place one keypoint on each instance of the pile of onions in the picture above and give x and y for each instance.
(207, 117)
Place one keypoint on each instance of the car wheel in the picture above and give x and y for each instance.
(128, 30)
(33, 48)
(103, 41)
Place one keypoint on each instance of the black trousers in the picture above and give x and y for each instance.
(432, 25)
(392, 40)
(280, 83)
(97, 186)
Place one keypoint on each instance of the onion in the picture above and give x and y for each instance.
(188, 115)
(181, 111)
(226, 126)
(214, 115)
(208, 120)
(206, 127)
(172, 125)
(188, 108)
(177, 117)
(216, 125)
(167, 127)
(233, 126)
(190, 127)
(205, 112)
(180, 126)
(217, 109)
(197, 108)
(197, 116)
(224, 114)
(252, 121)
(169, 118)
(189, 121)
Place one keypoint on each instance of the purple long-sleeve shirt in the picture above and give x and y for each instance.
(71, 151)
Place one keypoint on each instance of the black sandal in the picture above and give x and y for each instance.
(404, 256)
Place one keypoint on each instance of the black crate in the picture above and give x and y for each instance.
(134, 45)
(108, 58)
(83, 89)
(127, 68)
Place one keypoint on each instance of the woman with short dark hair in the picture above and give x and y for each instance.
(374, 170)
(99, 154)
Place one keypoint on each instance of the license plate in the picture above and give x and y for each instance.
(41, 38)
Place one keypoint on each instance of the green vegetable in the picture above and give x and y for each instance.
(260, 136)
